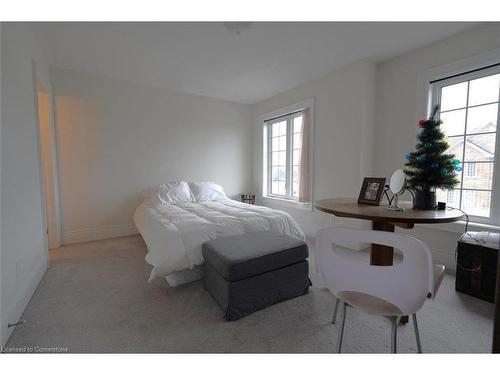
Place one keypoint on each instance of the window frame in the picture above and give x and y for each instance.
(434, 98)
(262, 122)
(289, 155)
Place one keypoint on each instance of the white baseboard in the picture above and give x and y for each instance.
(111, 231)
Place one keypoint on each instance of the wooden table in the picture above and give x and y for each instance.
(385, 220)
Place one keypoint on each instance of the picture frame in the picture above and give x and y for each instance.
(371, 191)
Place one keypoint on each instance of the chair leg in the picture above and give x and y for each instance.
(394, 334)
(341, 333)
(335, 311)
(417, 334)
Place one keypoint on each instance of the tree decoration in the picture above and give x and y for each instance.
(429, 167)
(458, 168)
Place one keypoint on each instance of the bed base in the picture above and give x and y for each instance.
(185, 276)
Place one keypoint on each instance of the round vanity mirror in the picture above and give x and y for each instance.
(397, 181)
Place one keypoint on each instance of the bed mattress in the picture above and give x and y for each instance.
(174, 233)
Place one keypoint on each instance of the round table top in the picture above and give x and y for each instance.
(349, 207)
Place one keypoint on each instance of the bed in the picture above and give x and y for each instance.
(175, 219)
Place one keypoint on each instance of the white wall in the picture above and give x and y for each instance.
(1, 256)
(116, 138)
(24, 256)
(344, 110)
(397, 111)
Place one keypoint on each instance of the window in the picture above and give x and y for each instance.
(450, 196)
(471, 170)
(469, 198)
(470, 111)
(284, 148)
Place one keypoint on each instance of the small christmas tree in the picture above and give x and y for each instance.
(430, 167)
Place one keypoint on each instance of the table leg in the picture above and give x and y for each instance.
(381, 255)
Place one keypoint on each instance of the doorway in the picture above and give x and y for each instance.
(48, 165)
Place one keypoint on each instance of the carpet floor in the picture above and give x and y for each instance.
(95, 298)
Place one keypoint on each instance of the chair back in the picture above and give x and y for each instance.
(405, 284)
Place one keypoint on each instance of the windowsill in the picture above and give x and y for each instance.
(288, 202)
(459, 227)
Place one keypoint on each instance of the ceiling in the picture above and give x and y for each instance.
(208, 59)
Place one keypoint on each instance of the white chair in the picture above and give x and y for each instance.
(394, 291)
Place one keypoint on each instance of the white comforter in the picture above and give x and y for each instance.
(174, 233)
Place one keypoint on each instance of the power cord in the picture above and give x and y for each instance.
(466, 233)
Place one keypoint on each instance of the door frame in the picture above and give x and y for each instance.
(50, 214)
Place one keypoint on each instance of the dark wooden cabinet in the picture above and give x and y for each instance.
(476, 270)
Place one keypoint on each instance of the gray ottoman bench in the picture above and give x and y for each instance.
(248, 272)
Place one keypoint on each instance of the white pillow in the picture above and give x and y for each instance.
(207, 191)
(170, 193)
